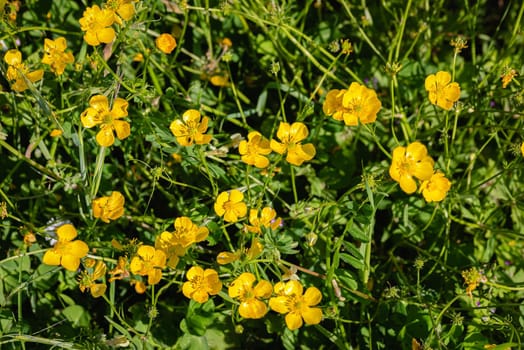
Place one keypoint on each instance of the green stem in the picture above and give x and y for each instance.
(97, 176)
(293, 184)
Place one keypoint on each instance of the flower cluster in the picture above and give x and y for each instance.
(413, 163)
(18, 73)
(97, 22)
(356, 104)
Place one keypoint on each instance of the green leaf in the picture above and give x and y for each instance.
(77, 315)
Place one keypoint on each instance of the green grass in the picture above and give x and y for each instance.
(393, 269)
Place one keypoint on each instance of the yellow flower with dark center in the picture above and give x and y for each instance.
(109, 207)
(268, 219)
(87, 280)
(166, 43)
(55, 55)
(149, 262)
(409, 163)
(254, 150)
(250, 304)
(175, 243)
(66, 251)
(436, 188)
(442, 92)
(230, 205)
(190, 129)
(201, 284)
(356, 104)
(123, 9)
(108, 119)
(96, 23)
(297, 307)
(17, 72)
(291, 136)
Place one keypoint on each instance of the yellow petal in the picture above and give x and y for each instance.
(298, 132)
(122, 128)
(312, 296)
(312, 315)
(66, 233)
(279, 304)
(13, 57)
(105, 137)
(51, 258)
(293, 320)
(70, 262)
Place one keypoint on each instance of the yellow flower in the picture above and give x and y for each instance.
(166, 242)
(507, 76)
(254, 150)
(166, 43)
(124, 9)
(522, 149)
(109, 120)
(148, 262)
(357, 103)
(409, 162)
(255, 250)
(66, 251)
(175, 244)
(190, 129)
(18, 72)
(436, 188)
(109, 207)
(201, 284)
(250, 304)
(97, 25)
(230, 205)
(297, 307)
(291, 137)
(221, 79)
(55, 55)
(268, 219)
(224, 258)
(55, 133)
(87, 281)
(442, 92)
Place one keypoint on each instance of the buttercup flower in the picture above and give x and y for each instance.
(224, 258)
(55, 55)
(291, 137)
(66, 251)
(109, 120)
(357, 103)
(148, 262)
(109, 207)
(201, 284)
(230, 205)
(97, 23)
(124, 9)
(436, 188)
(442, 92)
(522, 149)
(87, 281)
(190, 129)
(175, 244)
(166, 43)
(250, 304)
(507, 76)
(18, 73)
(254, 150)
(409, 163)
(297, 307)
(268, 219)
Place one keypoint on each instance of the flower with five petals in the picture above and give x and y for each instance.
(109, 208)
(298, 307)
(109, 119)
(251, 305)
(97, 23)
(254, 150)
(230, 205)
(291, 136)
(411, 162)
(190, 129)
(201, 284)
(436, 188)
(66, 251)
(149, 262)
(55, 55)
(442, 92)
